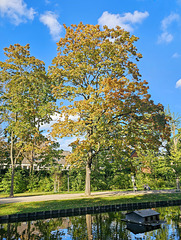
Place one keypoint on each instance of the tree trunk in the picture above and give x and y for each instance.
(29, 230)
(55, 183)
(12, 167)
(87, 180)
(89, 226)
(12, 182)
(177, 183)
(58, 185)
(31, 164)
(68, 183)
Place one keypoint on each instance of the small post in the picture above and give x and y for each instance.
(68, 179)
(133, 181)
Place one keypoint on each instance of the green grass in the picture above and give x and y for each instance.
(12, 208)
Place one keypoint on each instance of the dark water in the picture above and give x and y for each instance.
(96, 226)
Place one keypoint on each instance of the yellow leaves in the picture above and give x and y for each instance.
(97, 70)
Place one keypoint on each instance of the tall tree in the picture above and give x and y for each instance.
(3, 150)
(26, 100)
(174, 121)
(96, 71)
(50, 157)
(175, 144)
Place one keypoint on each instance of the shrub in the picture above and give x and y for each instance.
(20, 181)
(121, 181)
(46, 184)
(33, 183)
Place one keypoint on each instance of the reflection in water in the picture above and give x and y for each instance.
(89, 226)
(137, 228)
(97, 226)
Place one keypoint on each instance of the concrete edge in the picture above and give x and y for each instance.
(85, 210)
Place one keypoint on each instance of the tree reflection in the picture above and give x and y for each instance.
(9, 231)
(103, 226)
(89, 226)
(32, 230)
(99, 226)
(49, 229)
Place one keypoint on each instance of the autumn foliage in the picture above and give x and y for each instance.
(96, 71)
(26, 102)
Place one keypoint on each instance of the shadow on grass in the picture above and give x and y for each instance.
(27, 207)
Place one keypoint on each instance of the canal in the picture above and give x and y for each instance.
(99, 226)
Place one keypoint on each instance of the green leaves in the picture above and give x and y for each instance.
(26, 101)
(96, 71)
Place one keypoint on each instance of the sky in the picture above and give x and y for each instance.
(157, 23)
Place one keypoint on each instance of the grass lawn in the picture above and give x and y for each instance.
(12, 208)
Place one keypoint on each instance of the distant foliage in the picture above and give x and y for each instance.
(20, 181)
(46, 184)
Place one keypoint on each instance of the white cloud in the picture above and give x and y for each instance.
(176, 55)
(55, 119)
(165, 37)
(47, 1)
(65, 142)
(178, 84)
(166, 22)
(50, 20)
(125, 21)
(16, 10)
(47, 126)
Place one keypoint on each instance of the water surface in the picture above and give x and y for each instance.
(100, 226)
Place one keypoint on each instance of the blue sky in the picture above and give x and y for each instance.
(156, 22)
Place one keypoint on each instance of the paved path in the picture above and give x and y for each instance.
(75, 196)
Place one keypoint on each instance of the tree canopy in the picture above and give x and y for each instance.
(96, 71)
(26, 100)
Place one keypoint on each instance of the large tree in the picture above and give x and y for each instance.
(26, 101)
(175, 144)
(96, 71)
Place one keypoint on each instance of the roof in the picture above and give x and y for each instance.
(134, 154)
(145, 213)
(61, 160)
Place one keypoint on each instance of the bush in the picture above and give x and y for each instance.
(121, 181)
(46, 184)
(20, 181)
(77, 180)
(33, 183)
(99, 181)
(64, 183)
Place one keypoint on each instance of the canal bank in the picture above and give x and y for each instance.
(97, 202)
(85, 210)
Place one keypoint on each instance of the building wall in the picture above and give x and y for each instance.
(25, 164)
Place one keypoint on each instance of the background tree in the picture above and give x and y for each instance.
(174, 147)
(153, 168)
(4, 154)
(174, 121)
(175, 157)
(26, 100)
(96, 72)
(50, 160)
